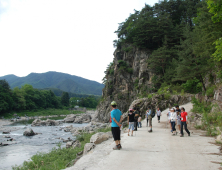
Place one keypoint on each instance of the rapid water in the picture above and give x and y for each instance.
(23, 148)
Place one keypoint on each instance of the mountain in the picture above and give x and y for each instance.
(62, 81)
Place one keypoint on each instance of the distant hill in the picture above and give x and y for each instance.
(62, 81)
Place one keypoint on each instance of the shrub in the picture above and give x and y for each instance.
(192, 86)
(210, 91)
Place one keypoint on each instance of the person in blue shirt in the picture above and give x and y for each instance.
(117, 118)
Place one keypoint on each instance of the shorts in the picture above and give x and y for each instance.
(116, 133)
(131, 125)
(178, 122)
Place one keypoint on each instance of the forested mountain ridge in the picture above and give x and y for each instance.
(166, 49)
(62, 81)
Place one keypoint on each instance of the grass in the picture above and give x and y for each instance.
(58, 158)
(45, 112)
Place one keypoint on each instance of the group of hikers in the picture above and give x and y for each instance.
(175, 116)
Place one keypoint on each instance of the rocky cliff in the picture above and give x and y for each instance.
(128, 79)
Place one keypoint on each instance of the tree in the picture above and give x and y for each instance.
(65, 99)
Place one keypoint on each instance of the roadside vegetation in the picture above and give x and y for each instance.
(211, 120)
(58, 158)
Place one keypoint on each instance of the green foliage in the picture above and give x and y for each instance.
(210, 120)
(215, 7)
(192, 86)
(136, 83)
(150, 96)
(218, 53)
(65, 99)
(123, 66)
(210, 91)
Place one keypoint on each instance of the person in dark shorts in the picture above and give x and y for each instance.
(131, 121)
(117, 118)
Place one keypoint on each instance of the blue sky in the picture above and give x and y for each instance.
(69, 36)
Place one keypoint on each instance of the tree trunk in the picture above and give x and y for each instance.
(201, 79)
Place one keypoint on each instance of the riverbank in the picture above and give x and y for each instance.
(158, 150)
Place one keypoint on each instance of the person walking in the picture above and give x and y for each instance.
(147, 119)
(184, 122)
(173, 118)
(117, 118)
(158, 113)
(168, 116)
(150, 119)
(178, 111)
(131, 121)
(136, 112)
(139, 121)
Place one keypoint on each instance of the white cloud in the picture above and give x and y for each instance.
(67, 36)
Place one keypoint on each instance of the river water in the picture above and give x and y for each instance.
(23, 148)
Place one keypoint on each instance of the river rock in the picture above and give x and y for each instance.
(69, 144)
(76, 144)
(88, 147)
(5, 132)
(70, 118)
(78, 120)
(99, 137)
(36, 122)
(6, 136)
(28, 132)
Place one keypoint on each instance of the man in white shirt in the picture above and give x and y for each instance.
(168, 116)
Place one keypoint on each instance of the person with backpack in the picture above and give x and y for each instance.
(158, 113)
(117, 118)
(130, 119)
(184, 122)
(136, 112)
(150, 119)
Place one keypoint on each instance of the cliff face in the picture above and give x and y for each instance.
(126, 78)
(128, 82)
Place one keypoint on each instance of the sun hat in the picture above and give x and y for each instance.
(113, 103)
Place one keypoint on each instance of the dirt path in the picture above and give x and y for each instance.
(155, 151)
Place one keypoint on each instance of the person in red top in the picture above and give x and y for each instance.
(184, 122)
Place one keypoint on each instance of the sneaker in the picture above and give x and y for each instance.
(176, 133)
(150, 130)
(181, 135)
(116, 148)
(171, 131)
(173, 134)
(119, 146)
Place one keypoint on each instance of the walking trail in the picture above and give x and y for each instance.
(158, 150)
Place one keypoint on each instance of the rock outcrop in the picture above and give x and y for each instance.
(88, 147)
(99, 137)
(83, 118)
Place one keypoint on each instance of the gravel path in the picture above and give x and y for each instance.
(155, 151)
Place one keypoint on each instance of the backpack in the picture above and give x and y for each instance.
(153, 114)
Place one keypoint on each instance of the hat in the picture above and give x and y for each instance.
(113, 103)
(130, 110)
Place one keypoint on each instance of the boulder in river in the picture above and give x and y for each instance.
(29, 132)
(5, 132)
(48, 122)
(70, 118)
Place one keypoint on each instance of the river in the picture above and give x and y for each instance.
(23, 148)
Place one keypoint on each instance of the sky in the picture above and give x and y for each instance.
(68, 36)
